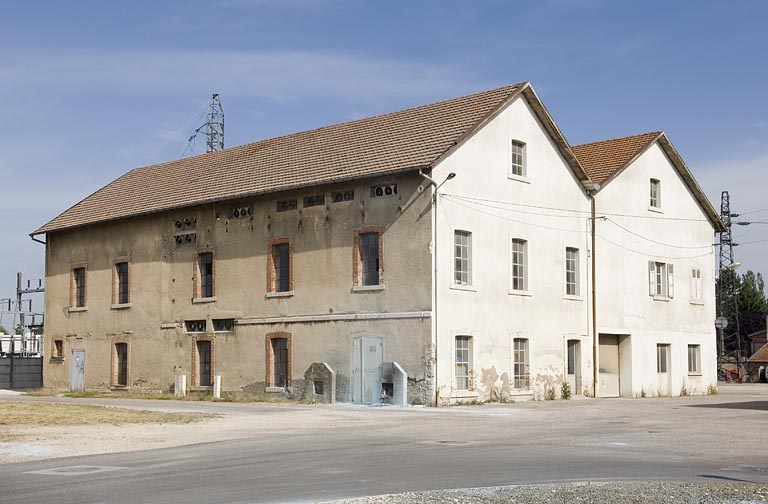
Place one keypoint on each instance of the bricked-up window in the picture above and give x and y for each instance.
(120, 364)
(463, 364)
(278, 359)
(280, 266)
(121, 280)
(520, 363)
(78, 287)
(205, 275)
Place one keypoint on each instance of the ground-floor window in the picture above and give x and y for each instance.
(278, 360)
(694, 359)
(120, 364)
(520, 364)
(463, 364)
(202, 365)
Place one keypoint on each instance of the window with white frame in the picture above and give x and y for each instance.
(517, 157)
(696, 287)
(655, 200)
(694, 359)
(463, 364)
(521, 366)
(572, 271)
(462, 258)
(519, 265)
(661, 280)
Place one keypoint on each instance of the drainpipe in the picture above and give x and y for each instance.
(594, 295)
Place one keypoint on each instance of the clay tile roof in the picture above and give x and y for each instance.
(601, 160)
(380, 145)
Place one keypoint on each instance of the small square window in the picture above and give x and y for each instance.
(58, 349)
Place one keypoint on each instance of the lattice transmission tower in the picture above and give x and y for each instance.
(214, 125)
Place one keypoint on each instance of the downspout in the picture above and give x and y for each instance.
(594, 296)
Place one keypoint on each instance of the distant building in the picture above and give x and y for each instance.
(454, 240)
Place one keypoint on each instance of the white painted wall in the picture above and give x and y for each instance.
(678, 233)
(484, 200)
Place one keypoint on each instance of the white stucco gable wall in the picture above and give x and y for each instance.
(548, 209)
(676, 234)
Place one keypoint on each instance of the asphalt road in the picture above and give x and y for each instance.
(349, 451)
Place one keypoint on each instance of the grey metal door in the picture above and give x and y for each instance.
(77, 371)
(573, 366)
(368, 354)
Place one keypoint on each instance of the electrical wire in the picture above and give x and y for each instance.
(149, 161)
(645, 254)
(655, 241)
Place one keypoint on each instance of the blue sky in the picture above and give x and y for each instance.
(92, 89)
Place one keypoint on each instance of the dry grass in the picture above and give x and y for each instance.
(40, 415)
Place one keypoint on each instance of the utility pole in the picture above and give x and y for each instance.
(727, 283)
(214, 126)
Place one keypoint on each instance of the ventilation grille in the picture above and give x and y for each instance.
(380, 191)
(196, 326)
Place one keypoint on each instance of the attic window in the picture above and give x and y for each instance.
(287, 205)
(184, 233)
(194, 326)
(241, 212)
(339, 196)
(383, 190)
(316, 200)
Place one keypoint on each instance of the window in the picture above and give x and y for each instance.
(77, 297)
(520, 363)
(572, 271)
(655, 193)
(287, 205)
(519, 265)
(339, 196)
(694, 359)
(120, 364)
(462, 362)
(383, 190)
(280, 274)
(696, 288)
(202, 365)
(185, 234)
(278, 360)
(120, 292)
(661, 280)
(241, 212)
(517, 167)
(462, 258)
(223, 325)
(662, 358)
(316, 200)
(194, 326)
(367, 260)
(204, 288)
(58, 349)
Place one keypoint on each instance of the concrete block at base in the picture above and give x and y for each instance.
(320, 383)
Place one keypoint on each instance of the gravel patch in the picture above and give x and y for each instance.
(585, 493)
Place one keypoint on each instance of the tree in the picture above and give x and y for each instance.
(744, 295)
(3, 330)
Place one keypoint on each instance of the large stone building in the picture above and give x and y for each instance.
(453, 243)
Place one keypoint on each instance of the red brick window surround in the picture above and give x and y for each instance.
(121, 362)
(203, 361)
(280, 266)
(279, 365)
(204, 275)
(121, 282)
(77, 286)
(368, 256)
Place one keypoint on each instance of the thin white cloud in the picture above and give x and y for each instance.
(275, 76)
